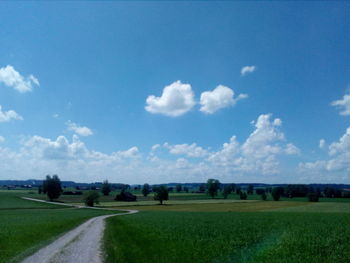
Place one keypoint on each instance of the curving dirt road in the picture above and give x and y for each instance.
(80, 245)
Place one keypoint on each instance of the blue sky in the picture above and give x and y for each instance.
(273, 74)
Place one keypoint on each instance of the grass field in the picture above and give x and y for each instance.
(25, 225)
(188, 229)
(254, 237)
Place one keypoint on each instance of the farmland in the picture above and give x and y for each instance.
(190, 227)
(26, 226)
(163, 236)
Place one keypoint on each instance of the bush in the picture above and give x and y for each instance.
(263, 196)
(312, 197)
(91, 198)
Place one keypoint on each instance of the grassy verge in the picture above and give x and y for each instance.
(162, 236)
(26, 226)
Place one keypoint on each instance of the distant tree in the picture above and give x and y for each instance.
(233, 187)
(52, 186)
(178, 188)
(250, 189)
(106, 188)
(263, 196)
(40, 189)
(146, 190)
(312, 197)
(297, 190)
(238, 190)
(227, 190)
(213, 186)
(331, 192)
(186, 189)
(202, 188)
(161, 193)
(243, 195)
(276, 193)
(91, 198)
(259, 191)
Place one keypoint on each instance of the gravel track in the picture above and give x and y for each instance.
(80, 245)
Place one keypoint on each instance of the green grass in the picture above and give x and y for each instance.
(26, 226)
(13, 200)
(216, 206)
(254, 237)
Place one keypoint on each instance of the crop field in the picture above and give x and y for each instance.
(254, 237)
(228, 206)
(25, 225)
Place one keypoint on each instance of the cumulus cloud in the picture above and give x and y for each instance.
(133, 152)
(220, 97)
(291, 149)
(12, 78)
(247, 161)
(190, 150)
(176, 100)
(80, 130)
(343, 104)
(258, 154)
(6, 116)
(338, 163)
(247, 69)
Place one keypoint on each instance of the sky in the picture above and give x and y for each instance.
(158, 92)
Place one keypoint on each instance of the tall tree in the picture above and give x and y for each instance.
(250, 189)
(276, 193)
(213, 187)
(106, 188)
(52, 186)
(146, 190)
(161, 193)
(178, 188)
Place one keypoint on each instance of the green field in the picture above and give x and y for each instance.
(254, 237)
(188, 228)
(26, 225)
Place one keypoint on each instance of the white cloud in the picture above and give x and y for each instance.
(258, 154)
(247, 69)
(6, 116)
(256, 159)
(155, 147)
(343, 104)
(190, 150)
(220, 97)
(291, 149)
(80, 130)
(322, 144)
(338, 163)
(133, 152)
(11, 78)
(2, 139)
(176, 100)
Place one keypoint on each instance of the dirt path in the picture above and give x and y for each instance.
(82, 244)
